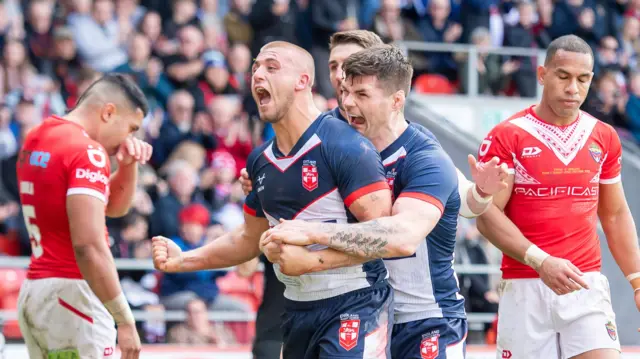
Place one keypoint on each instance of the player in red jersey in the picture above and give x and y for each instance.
(72, 294)
(565, 174)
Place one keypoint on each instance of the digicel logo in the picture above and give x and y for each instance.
(93, 177)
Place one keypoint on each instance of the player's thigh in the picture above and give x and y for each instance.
(430, 338)
(599, 354)
(525, 326)
(359, 326)
(298, 330)
(585, 319)
(26, 324)
(80, 323)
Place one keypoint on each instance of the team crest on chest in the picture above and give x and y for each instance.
(596, 152)
(349, 330)
(309, 175)
(391, 177)
(429, 346)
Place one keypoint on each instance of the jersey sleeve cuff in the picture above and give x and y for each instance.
(377, 186)
(87, 191)
(250, 211)
(424, 197)
(613, 180)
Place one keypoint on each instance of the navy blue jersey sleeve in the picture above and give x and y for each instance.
(431, 176)
(252, 204)
(356, 166)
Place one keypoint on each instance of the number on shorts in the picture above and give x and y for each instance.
(29, 213)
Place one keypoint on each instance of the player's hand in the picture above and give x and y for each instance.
(129, 341)
(167, 256)
(133, 150)
(490, 177)
(561, 276)
(295, 260)
(245, 181)
(296, 232)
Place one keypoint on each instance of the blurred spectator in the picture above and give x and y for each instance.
(182, 180)
(40, 34)
(231, 129)
(630, 42)
(151, 27)
(633, 105)
(240, 68)
(184, 14)
(215, 80)
(129, 13)
(476, 13)
(15, 64)
(390, 26)
(8, 141)
(577, 17)
(437, 27)
(608, 60)
(178, 289)
(99, 37)
(131, 237)
(329, 16)
(523, 68)
(147, 71)
(236, 23)
(197, 330)
(273, 20)
(605, 102)
(493, 75)
(185, 68)
(65, 63)
(178, 127)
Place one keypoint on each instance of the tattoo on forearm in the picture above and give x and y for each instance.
(363, 240)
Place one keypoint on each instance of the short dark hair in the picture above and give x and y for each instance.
(387, 63)
(570, 43)
(122, 83)
(362, 38)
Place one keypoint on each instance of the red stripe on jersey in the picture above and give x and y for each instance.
(378, 186)
(248, 210)
(424, 197)
(75, 311)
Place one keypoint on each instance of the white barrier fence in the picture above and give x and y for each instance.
(147, 265)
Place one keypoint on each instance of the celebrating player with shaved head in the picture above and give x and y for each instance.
(317, 168)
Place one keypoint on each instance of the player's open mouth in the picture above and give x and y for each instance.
(264, 97)
(356, 120)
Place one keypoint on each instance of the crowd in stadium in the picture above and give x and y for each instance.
(193, 61)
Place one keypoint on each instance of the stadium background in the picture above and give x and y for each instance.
(475, 65)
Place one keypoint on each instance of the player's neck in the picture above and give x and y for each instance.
(545, 113)
(80, 117)
(390, 133)
(292, 126)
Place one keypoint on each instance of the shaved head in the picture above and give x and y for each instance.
(296, 57)
(117, 89)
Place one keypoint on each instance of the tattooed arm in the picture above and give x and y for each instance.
(396, 236)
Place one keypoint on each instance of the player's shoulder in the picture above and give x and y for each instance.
(61, 136)
(337, 134)
(425, 131)
(599, 127)
(255, 154)
(510, 124)
(423, 150)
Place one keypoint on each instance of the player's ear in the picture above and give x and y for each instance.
(399, 99)
(541, 71)
(304, 81)
(108, 111)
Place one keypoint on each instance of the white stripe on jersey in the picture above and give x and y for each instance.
(88, 191)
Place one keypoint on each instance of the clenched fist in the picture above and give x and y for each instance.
(167, 256)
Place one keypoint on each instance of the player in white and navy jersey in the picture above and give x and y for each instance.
(418, 240)
(319, 169)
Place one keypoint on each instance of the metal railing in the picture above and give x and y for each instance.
(221, 316)
(472, 52)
